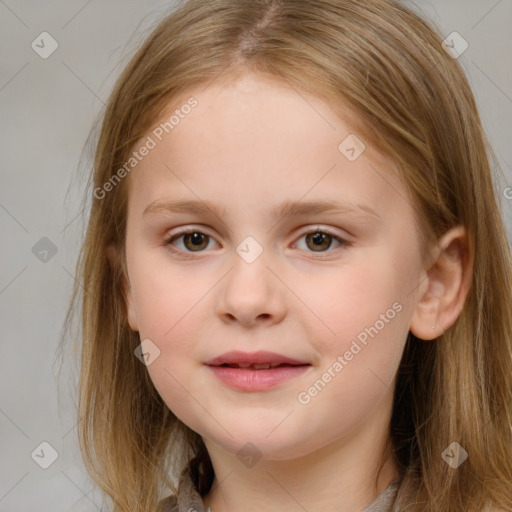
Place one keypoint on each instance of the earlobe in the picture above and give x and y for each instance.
(448, 281)
(113, 257)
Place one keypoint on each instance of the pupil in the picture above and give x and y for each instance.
(318, 239)
(197, 239)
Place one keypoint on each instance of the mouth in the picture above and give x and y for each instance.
(257, 366)
(256, 360)
(259, 371)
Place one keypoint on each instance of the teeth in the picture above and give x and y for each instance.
(261, 366)
(255, 366)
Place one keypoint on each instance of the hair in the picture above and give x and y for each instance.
(412, 101)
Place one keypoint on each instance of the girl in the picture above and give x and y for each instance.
(297, 282)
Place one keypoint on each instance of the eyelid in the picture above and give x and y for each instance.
(171, 237)
(317, 227)
(190, 229)
(342, 240)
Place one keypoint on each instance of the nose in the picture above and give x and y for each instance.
(252, 294)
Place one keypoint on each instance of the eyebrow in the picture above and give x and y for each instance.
(286, 209)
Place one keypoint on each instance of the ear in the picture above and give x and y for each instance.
(446, 286)
(114, 259)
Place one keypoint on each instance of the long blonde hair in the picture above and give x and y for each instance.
(414, 104)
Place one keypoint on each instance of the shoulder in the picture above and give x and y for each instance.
(169, 504)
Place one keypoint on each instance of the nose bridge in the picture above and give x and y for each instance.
(251, 290)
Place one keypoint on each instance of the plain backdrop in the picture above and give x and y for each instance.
(47, 108)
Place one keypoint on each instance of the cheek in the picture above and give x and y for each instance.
(165, 296)
(360, 339)
(353, 300)
(168, 307)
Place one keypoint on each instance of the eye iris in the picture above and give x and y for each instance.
(321, 240)
(318, 239)
(196, 239)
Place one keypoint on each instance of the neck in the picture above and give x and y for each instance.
(340, 477)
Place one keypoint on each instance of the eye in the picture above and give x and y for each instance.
(320, 240)
(193, 240)
(317, 240)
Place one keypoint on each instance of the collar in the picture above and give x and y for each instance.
(188, 498)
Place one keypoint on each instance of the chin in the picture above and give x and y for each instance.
(257, 443)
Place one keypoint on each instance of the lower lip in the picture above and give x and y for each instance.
(257, 380)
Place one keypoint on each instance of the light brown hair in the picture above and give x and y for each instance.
(415, 105)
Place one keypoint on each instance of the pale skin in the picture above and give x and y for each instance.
(250, 145)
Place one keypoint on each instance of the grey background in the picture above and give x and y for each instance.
(47, 107)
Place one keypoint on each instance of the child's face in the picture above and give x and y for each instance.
(345, 310)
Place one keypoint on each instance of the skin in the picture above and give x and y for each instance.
(248, 146)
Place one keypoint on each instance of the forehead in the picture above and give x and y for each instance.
(253, 141)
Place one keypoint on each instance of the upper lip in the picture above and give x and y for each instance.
(261, 357)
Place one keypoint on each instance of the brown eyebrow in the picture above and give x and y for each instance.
(287, 209)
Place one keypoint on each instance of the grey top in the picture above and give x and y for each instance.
(189, 499)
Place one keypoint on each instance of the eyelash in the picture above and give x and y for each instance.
(189, 254)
